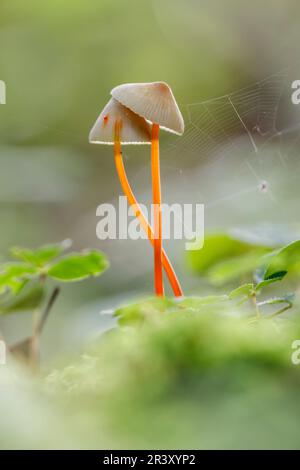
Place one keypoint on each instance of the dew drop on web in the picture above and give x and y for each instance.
(263, 186)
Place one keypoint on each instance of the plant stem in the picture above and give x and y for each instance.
(279, 312)
(156, 190)
(45, 314)
(34, 344)
(139, 214)
(254, 301)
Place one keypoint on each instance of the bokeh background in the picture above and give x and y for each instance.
(60, 59)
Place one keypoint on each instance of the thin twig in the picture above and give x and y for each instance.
(44, 316)
(279, 312)
(254, 300)
(34, 341)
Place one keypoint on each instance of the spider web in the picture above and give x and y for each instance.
(240, 156)
(213, 126)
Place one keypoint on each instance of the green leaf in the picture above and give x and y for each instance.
(29, 298)
(42, 255)
(225, 258)
(276, 277)
(138, 312)
(246, 290)
(199, 302)
(13, 275)
(217, 247)
(235, 268)
(154, 309)
(284, 259)
(78, 266)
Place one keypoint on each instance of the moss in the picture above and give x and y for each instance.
(188, 380)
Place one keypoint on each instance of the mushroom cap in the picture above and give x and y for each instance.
(134, 129)
(153, 101)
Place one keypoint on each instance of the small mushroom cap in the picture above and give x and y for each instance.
(133, 130)
(153, 101)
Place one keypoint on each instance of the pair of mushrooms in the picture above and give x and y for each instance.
(134, 115)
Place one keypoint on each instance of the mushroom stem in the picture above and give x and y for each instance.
(139, 214)
(156, 191)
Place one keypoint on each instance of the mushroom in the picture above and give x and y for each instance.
(118, 125)
(155, 103)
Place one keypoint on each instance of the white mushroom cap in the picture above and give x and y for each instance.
(134, 129)
(153, 101)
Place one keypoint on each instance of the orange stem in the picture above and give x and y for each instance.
(139, 214)
(156, 191)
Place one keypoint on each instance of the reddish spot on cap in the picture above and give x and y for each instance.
(105, 119)
(162, 86)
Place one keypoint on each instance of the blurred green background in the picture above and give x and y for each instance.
(60, 59)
